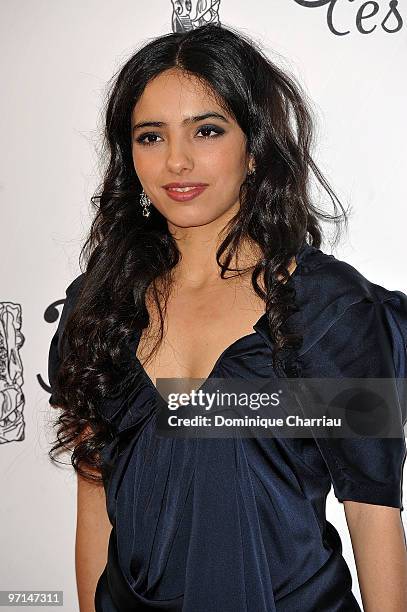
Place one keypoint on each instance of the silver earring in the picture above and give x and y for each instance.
(145, 203)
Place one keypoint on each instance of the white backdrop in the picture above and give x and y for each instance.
(56, 59)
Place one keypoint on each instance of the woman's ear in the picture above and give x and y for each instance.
(252, 166)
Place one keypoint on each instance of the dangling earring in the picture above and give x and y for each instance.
(145, 203)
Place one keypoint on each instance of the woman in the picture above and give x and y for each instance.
(208, 150)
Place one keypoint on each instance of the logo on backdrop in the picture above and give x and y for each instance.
(191, 14)
(365, 19)
(51, 315)
(11, 377)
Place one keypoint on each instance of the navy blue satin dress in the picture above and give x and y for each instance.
(238, 524)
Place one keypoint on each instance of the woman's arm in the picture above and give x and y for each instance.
(379, 546)
(92, 536)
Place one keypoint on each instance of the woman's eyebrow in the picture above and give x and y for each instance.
(186, 121)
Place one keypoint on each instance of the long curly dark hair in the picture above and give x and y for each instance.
(126, 253)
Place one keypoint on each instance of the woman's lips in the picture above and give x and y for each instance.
(185, 196)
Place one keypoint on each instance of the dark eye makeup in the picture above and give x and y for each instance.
(204, 128)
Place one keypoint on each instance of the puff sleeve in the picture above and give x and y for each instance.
(55, 347)
(358, 344)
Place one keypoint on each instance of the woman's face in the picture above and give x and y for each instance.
(211, 150)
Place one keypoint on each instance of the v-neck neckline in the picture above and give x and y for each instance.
(258, 326)
(215, 365)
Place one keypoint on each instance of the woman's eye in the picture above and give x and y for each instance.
(211, 128)
(141, 139)
(144, 139)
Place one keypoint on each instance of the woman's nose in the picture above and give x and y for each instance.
(178, 157)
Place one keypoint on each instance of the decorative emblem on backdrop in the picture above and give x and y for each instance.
(192, 14)
(365, 18)
(11, 373)
(51, 315)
